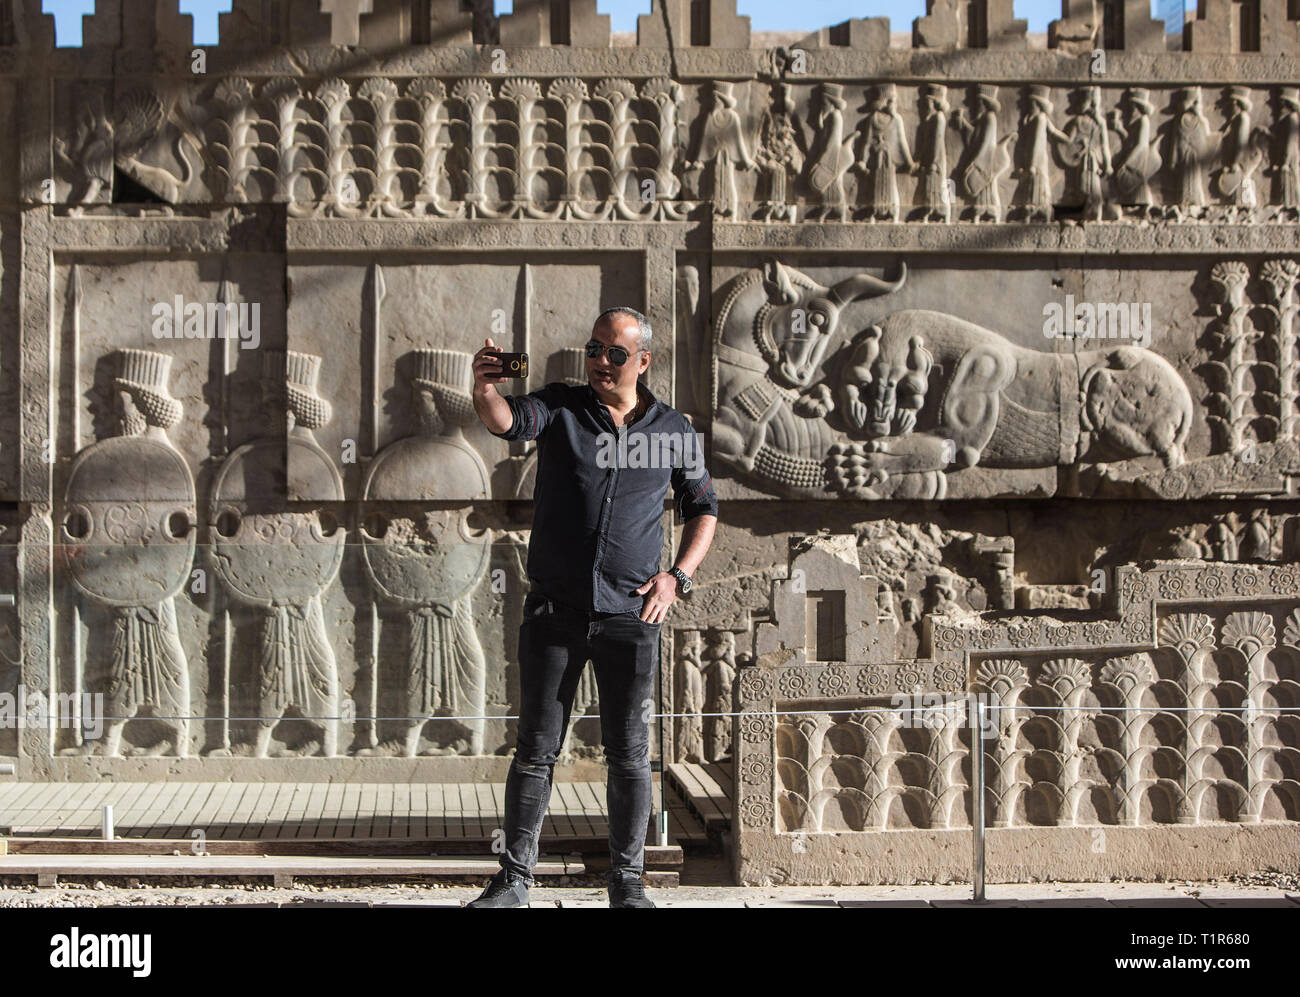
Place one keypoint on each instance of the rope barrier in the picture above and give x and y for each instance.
(951, 706)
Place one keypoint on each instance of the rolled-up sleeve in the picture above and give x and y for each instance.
(532, 412)
(692, 486)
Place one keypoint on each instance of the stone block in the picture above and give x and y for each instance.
(693, 22)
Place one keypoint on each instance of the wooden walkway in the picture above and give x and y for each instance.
(285, 810)
(705, 792)
(281, 869)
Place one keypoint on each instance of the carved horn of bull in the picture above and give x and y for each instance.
(863, 285)
(776, 279)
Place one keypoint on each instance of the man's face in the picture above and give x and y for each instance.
(605, 378)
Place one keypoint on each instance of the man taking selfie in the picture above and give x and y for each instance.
(606, 453)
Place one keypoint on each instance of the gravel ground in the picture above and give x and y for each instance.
(704, 884)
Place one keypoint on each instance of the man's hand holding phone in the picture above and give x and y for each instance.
(487, 367)
(492, 366)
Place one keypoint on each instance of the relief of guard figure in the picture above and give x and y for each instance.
(884, 153)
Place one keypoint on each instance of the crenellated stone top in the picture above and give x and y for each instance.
(380, 27)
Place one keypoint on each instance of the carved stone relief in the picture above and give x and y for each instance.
(423, 558)
(651, 149)
(281, 562)
(824, 390)
(128, 540)
(1123, 717)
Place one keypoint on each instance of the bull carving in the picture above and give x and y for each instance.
(771, 335)
(917, 396)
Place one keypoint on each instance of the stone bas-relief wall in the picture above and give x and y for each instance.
(293, 553)
(832, 382)
(1156, 705)
(610, 148)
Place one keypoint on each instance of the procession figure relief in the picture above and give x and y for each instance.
(1186, 141)
(1239, 153)
(884, 153)
(1139, 159)
(1286, 154)
(831, 156)
(426, 560)
(985, 159)
(1037, 131)
(722, 143)
(1087, 154)
(132, 556)
(780, 153)
(281, 562)
(719, 674)
(933, 194)
(690, 725)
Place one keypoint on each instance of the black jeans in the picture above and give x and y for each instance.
(554, 646)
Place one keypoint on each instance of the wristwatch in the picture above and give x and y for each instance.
(683, 579)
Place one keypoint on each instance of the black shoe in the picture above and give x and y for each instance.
(505, 889)
(627, 891)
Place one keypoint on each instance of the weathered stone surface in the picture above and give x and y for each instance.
(1111, 24)
(1098, 722)
(868, 33)
(980, 24)
(693, 22)
(1223, 29)
(1019, 855)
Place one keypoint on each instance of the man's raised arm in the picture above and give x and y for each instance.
(488, 403)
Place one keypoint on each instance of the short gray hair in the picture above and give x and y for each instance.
(642, 323)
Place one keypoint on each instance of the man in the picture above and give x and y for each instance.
(607, 452)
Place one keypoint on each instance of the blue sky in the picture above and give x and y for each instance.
(765, 15)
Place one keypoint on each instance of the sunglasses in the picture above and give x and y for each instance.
(617, 355)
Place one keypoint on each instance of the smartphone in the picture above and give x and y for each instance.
(514, 364)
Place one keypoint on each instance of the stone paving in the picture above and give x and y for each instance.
(1112, 895)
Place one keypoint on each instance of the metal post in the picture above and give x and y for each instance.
(108, 822)
(977, 803)
(663, 768)
(7, 768)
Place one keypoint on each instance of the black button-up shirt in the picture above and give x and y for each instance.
(598, 498)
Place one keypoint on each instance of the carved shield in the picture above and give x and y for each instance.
(975, 180)
(121, 549)
(830, 166)
(417, 555)
(265, 554)
(1229, 180)
(1073, 151)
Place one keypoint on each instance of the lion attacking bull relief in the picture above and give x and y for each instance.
(805, 407)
